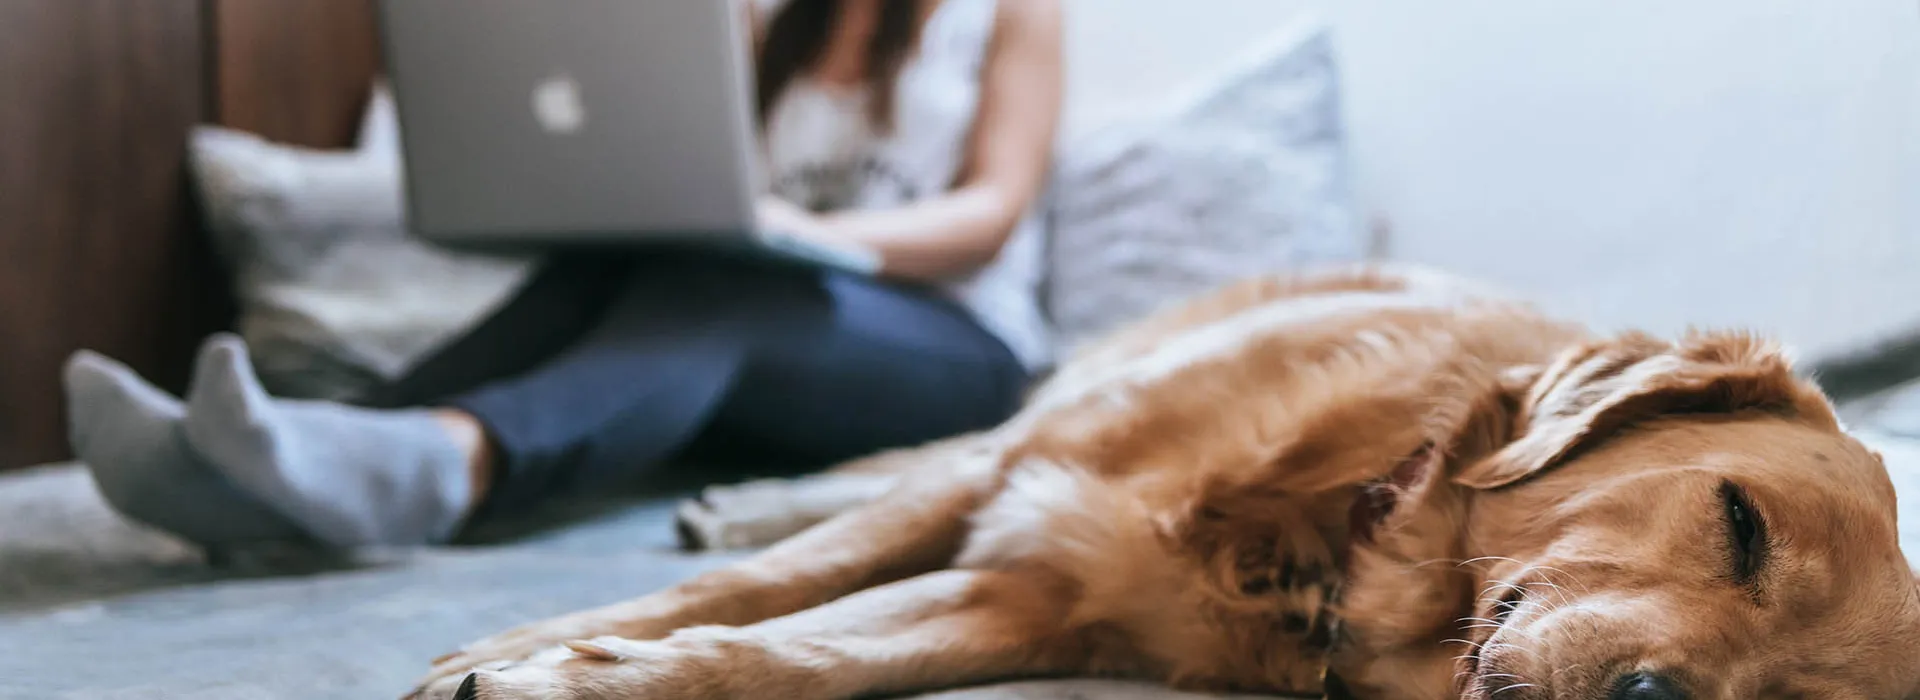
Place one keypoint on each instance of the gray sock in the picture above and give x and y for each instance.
(352, 476)
(129, 435)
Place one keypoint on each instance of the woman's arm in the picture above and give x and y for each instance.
(1008, 156)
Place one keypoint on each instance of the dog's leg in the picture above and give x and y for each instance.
(760, 513)
(938, 630)
(916, 528)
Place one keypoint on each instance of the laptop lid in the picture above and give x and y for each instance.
(588, 119)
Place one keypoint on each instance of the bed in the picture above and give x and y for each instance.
(105, 609)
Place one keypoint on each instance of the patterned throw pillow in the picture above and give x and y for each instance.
(1246, 176)
(336, 298)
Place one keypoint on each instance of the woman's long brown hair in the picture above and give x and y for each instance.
(797, 35)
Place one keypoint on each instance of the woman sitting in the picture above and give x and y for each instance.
(920, 129)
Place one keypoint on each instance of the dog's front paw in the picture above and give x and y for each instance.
(607, 667)
(497, 651)
(449, 670)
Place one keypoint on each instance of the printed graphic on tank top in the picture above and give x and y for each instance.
(823, 153)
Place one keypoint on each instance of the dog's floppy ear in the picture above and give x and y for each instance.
(1595, 389)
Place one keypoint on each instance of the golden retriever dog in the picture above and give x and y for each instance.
(1362, 483)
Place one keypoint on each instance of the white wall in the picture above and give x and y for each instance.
(1632, 162)
(1126, 54)
(1653, 163)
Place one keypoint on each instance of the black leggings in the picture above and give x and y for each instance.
(604, 367)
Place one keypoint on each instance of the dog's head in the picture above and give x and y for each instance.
(1684, 521)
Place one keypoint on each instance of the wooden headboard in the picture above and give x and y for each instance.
(101, 245)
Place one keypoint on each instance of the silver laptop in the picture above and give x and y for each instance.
(584, 121)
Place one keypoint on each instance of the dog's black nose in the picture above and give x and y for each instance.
(1647, 686)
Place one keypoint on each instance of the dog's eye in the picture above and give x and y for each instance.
(1748, 534)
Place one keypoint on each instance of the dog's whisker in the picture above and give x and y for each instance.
(1476, 560)
(1504, 645)
(1553, 605)
(1563, 572)
(1488, 593)
(1563, 669)
(1491, 586)
(1558, 591)
(1515, 686)
(1549, 584)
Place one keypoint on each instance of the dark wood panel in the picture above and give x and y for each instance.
(295, 71)
(98, 245)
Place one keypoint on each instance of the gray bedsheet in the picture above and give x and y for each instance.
(93, 608)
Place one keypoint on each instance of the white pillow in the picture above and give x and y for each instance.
(335, 297)
(1246, 176)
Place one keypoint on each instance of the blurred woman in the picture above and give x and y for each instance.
(919, 129)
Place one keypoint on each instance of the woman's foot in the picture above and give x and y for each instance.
(128, 433)
(350, 476)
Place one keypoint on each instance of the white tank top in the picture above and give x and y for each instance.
(824, 154)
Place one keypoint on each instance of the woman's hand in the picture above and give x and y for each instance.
(780, 216)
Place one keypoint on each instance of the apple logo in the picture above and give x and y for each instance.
(557, 105)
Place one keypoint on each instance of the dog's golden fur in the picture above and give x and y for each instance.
(1384, 482)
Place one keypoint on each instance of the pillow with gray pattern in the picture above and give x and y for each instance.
(336, 298)
(1246, 176)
